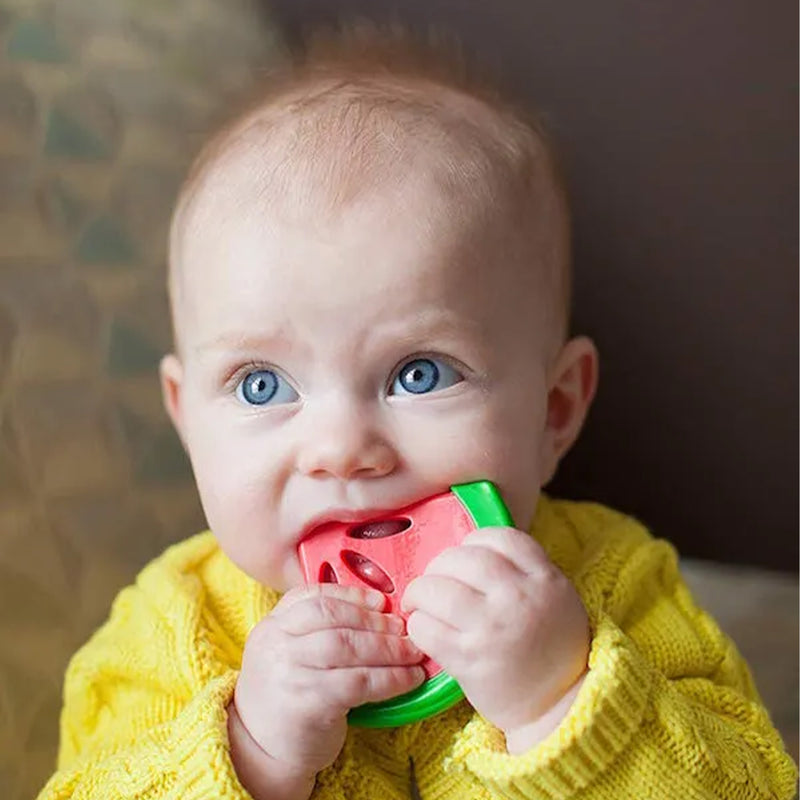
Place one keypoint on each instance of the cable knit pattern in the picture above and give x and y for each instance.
(668, 708)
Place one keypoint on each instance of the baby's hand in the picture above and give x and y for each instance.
(504, 622)
(323, 650)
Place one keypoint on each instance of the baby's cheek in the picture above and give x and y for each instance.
(247, 536)
(238, 509)
(453, 456)
(505, 450)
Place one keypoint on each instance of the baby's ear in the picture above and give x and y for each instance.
(572, 383)
(170, 372)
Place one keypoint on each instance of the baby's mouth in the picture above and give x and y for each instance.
(336, 550)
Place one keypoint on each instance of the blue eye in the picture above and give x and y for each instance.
(263, 386)
(424, 375)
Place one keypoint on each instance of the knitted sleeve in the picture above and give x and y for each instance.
(145, 701)
(144, 711)
(668, 708)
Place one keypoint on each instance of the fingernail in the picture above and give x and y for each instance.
(376, 600)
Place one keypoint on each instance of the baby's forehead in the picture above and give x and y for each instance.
(316, 151)
(331, 140)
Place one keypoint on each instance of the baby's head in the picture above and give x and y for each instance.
(369, 281)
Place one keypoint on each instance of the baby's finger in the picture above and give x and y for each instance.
(347, 647)
(520, 548)
(445, 598)
(354, 686)
(322, 612)
(433, 637)
(479, 567)
(350, 594)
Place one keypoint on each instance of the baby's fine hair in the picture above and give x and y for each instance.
(359, 105)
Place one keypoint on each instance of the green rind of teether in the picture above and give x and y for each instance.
(437, 694)
(482, 501)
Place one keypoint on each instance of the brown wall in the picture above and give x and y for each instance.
(678, 122)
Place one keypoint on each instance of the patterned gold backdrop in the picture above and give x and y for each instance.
(102, 103)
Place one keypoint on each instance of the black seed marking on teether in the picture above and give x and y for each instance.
(379, 529)
(326, 574)
(368, 571)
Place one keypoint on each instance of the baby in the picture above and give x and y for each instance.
(370, 288)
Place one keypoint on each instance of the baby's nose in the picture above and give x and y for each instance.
(346, 444)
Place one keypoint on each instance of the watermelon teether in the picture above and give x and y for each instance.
(386, 554)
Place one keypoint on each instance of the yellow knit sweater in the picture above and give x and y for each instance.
(668, 708)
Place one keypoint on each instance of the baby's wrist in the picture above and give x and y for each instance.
(263, 776)
(524, 737)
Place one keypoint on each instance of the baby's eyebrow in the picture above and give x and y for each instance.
(430, 324)
(243, 342)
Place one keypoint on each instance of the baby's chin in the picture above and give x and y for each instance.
(280, 577)
(289, 576)
(279, 580)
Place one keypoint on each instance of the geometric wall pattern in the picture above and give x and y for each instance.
(102, 104)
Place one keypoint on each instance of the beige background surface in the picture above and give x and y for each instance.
(102, 102)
